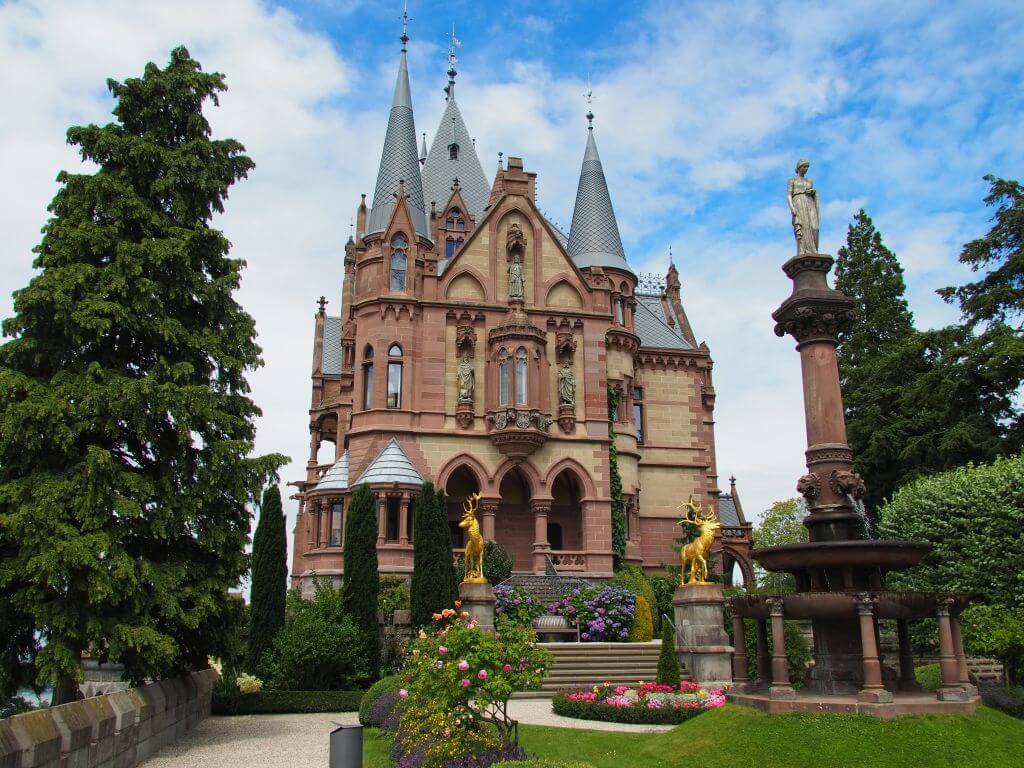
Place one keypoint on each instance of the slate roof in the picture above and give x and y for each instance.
(392, 465)
(652, 327)
(336, 478)
(332, 346)
(399, 161)
(440, 171)
(594, 239)
(727, 514)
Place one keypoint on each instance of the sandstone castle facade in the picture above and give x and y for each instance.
(476, 346)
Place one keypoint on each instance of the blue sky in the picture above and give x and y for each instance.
(702, 111)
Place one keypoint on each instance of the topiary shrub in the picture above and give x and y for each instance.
(633, 578)
(643, 625)
(929, 676)
(972, 517)
(668, 661)
(361, 583)
(321, 648)
(391, 684)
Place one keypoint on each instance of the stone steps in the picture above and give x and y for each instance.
(583, 665)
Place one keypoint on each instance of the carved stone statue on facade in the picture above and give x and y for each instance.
(566, 385)
(467, 379)
(515, 278)
(805, 208)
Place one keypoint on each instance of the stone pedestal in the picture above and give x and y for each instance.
(478, 601)
(701, 640)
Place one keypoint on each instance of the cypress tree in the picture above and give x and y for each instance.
(269, 577)
(618, 503)
(361, 583)
(434, 581)
(668, 662)
(126, 430)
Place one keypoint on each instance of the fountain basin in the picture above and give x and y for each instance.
(843, 605)
(885, 555)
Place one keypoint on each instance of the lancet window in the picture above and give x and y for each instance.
(399, 261)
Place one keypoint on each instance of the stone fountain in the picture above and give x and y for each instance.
(841, 571)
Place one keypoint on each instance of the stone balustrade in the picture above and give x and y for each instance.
(117, 730)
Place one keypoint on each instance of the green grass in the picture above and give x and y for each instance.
(738, 737)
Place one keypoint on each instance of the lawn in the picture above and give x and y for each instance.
(738, 737)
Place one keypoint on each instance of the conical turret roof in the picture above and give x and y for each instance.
(594, 239)
(336, 478)
(442, 169)
(399, 161)
(392, 465)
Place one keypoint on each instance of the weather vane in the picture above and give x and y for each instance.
(405, 24)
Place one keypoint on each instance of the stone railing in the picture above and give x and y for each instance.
(119, 729)
(569, 560)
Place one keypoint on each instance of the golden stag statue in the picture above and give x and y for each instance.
(474, 541)
(695, 553)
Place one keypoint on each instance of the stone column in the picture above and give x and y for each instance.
(541, 547)
(907, 680)
(403, 520)
(488, 509)
(739, 657)
(873, 690)
(382, 517)
(961, 657)
(702, 643)
(780, 687)
(764, 659)
(314, 444)
(478, 600)
(950, 689)
(323, 519)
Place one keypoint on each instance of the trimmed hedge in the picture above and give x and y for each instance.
(1010, 701)
(583, 710)
(286, 702)
(389, 684)
(537, 763)
(929, 677)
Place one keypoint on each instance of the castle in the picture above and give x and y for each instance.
(479, 347)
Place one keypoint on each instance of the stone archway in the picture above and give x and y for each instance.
(462, 482)
(565, 521)
(514, 523)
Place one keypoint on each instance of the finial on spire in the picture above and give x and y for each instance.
(405, 24)
(671, 261)
(453, 43)
(500, 155)
(590, 112)
(322, 303)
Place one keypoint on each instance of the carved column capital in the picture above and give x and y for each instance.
(774, 605)
(820, 319)
(865, 604)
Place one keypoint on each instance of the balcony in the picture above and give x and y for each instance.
(518, 432)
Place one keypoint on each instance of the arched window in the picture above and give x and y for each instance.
(620, 311)
(394, 376)
(521, 376)
(337, 510)
(503, 377)
(455, 220)
(453, 151)
(368, 377)
(449, 248)
(399, 261)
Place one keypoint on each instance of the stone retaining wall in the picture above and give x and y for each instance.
(118, 730)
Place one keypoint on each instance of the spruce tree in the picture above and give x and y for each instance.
(434, 581)
(125, 423)
(269, 577)
(361, 583)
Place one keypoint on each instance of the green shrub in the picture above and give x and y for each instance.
(929, 676)
(320, 649)
(389, 684)
(269, 577)
(435, 585)
(634, 579)
(643, 623)
(393, 596)
(668, 661)
(286, 702)
(664, 589)
(361, 583)
(972, 517)
(497, 562)
(997, 631)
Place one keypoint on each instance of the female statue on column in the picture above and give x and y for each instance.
(467, 379)
(515, 278)
(803, 204)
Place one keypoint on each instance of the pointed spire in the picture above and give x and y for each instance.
(594, 239)
(399, 160)
(452, 154)
(423, 149)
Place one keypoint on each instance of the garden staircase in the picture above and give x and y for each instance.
(583, 665)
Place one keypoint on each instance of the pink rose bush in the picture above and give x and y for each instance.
(649, 703)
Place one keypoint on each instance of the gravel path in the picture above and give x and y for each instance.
(300, 741)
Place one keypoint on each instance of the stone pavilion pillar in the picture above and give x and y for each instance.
(950, 689)
(873, 689)
(961, 657)
(780, 687)
(739, 657)
(488, 509)
(907, 680)
(764, 659)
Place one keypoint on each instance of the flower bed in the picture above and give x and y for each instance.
(605, 615)
(646, 703)
(516, 606)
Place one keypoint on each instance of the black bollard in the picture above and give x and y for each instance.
(346, 747)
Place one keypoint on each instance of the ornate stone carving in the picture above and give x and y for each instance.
(466, 378)
(464, 417)
(515, 241)
(846, 483)
(465, 339)
(510, 417)
(566, 385)
(565, 346)
(829, 453)
(819, 320)
(809, 486)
